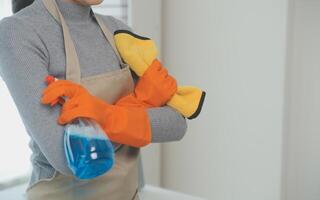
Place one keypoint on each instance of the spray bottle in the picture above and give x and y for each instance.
(88, 150)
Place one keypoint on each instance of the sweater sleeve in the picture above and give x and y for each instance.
(23, 65)
(167, 124)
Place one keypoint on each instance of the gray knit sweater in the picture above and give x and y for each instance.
(31, 46)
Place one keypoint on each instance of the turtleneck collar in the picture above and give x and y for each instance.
(74, 12)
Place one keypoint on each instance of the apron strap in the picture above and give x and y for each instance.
(73, 71)
(72, 62)
(110, 38)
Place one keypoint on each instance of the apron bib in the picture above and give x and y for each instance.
(121, 182)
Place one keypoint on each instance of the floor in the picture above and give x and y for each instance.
(148, 193)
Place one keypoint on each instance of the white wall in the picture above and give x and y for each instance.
(236, 50)
(302, 167)
(146, 20)
(186, 52)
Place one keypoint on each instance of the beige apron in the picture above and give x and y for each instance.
(121, 182)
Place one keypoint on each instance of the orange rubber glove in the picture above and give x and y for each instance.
(124, 125)
(153, 89)
(139, 52)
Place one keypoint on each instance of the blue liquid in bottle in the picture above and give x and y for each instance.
(88, 156)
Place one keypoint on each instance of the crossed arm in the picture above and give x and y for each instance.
(24, 63)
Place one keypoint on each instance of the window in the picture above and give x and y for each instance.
(14, 151)
(116, 8)
(5, 8)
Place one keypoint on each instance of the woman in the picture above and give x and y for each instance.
(33, 44)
